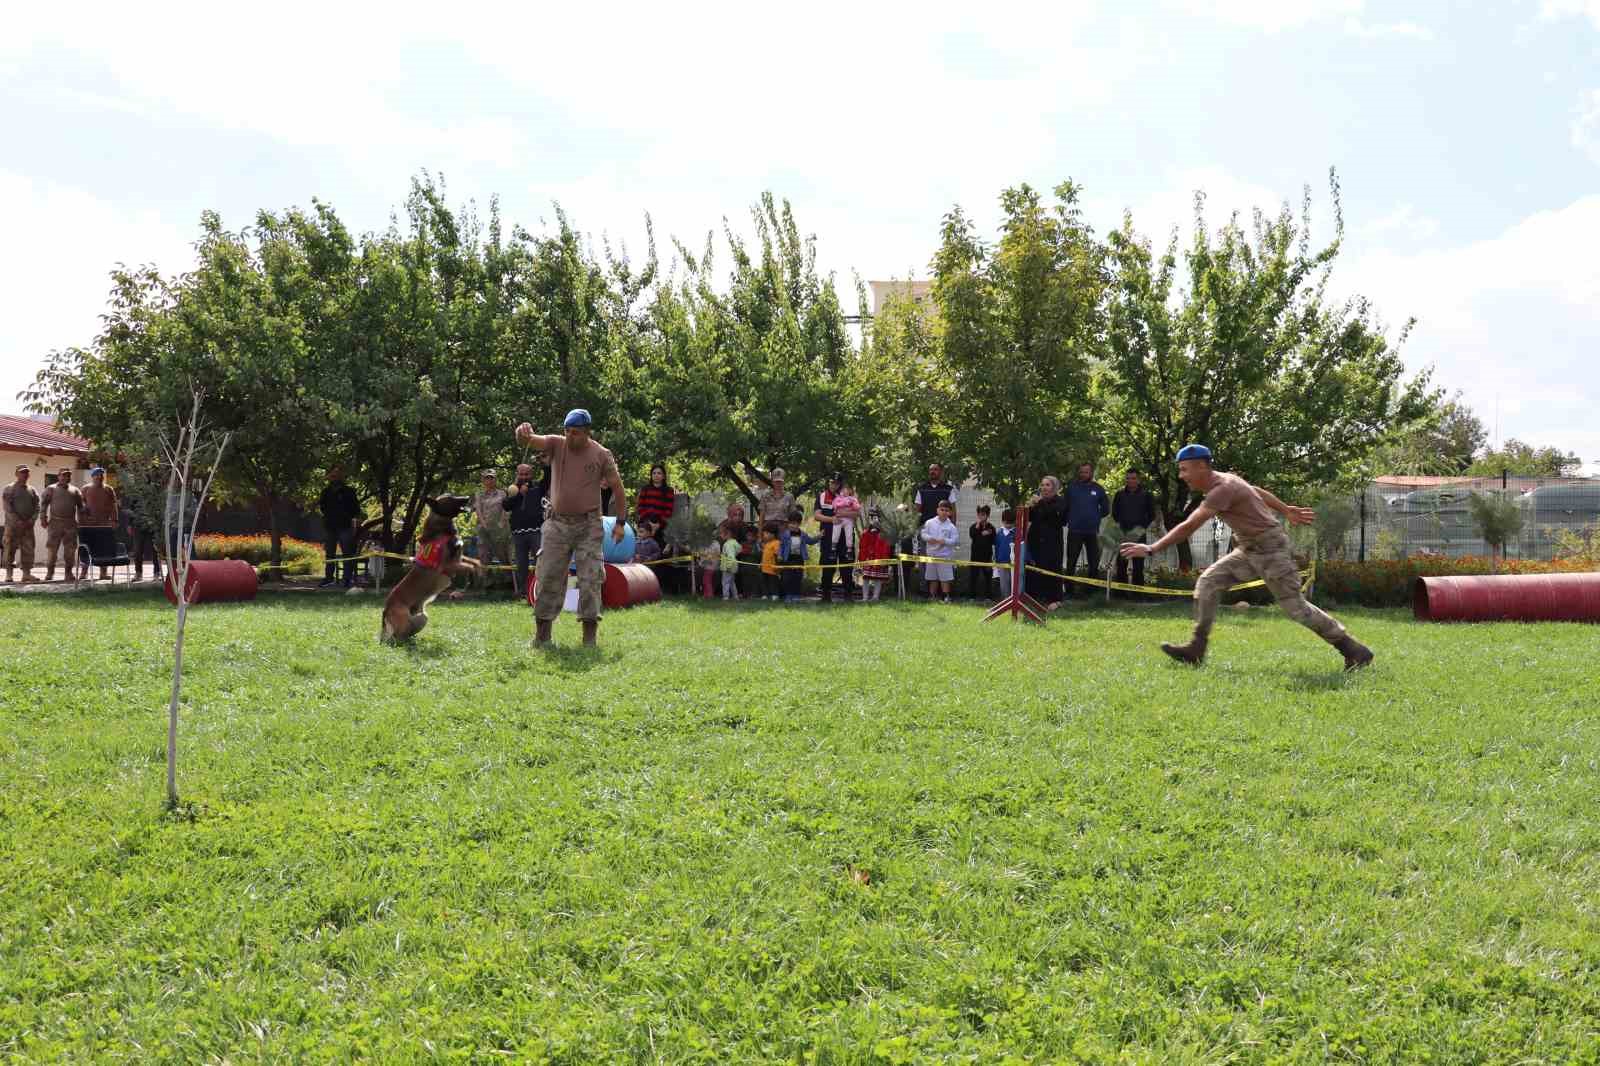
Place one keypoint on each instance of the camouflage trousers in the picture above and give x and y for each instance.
(1269, 558)
(19, 541)
(494, 547)
(568, 538)
(61, 537)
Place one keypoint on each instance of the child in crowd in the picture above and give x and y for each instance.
(710, 563)
(846, 509)
(795, 556)
(1005, 537)
(940, 536)
(982, 536)
(728, 563)
(647, 549)
(770, 587)
(872, 554)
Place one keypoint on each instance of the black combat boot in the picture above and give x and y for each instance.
(1356, 654)
(1193, 653)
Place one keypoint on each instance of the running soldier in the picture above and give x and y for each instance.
(1263, 552)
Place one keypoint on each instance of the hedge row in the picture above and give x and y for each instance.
(300, 557)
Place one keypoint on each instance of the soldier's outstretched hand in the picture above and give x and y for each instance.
(525, 434)
(1300, 516)
(1133, 550)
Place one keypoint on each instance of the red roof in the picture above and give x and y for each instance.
(20, 434)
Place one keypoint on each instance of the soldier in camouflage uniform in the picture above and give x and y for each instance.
(494, 528)
(1263, 552)
(579, 467)
(63, 506)
(21, 512)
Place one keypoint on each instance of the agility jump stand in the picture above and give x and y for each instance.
(1019, 604)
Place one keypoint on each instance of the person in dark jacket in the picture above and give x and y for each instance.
(981, 535)
(1134, 511)
(145, 540)
(1047, 518)
(1087, 505)
(340, 514)
(525, 503)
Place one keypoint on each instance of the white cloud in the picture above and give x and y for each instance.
(1271, 16)
(1513, 320)
(1403, 221)
(1586, 125)
(1559, 9)
(67, 242)
(1379, 30)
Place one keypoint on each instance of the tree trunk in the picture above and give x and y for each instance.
(277, 535)
(746, 490)
(177, 681)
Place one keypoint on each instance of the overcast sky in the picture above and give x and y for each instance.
(1466, 136)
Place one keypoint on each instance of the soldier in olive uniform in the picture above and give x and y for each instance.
(63, 507)
(21, 512)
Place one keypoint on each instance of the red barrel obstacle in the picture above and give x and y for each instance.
(626, 585)
(1507, 598)
(215, 581)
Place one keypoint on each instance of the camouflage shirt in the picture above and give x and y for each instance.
(21, 503)
(775, 506)
(491, 511)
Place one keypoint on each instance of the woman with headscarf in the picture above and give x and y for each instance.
(1047, 523)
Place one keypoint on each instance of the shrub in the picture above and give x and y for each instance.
(1388, 583)
(300, 557)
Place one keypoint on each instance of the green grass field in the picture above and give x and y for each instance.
(794, 834)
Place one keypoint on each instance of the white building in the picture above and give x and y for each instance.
(36, 444)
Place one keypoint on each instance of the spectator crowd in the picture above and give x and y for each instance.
(765, 558)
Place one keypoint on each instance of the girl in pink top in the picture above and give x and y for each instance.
(846, 509)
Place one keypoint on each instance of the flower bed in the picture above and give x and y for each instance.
(300, 557)
(1388, 583)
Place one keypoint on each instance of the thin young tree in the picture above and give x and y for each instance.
(180, 519)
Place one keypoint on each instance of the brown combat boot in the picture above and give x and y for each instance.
(1193, 653)
(1356, 654)
(591, 630)
(541, 631)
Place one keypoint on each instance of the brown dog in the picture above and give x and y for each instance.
(438, 560)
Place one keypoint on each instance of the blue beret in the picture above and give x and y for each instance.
(578, 418)
(1194, 451)
(97, 471)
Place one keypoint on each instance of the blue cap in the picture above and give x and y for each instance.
(578, 418)
(97, 471)
(1194, 451)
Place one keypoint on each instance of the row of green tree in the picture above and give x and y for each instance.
(409, 354)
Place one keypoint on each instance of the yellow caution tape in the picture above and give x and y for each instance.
(1308, 576)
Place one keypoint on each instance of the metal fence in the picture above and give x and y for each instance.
(1394, 519)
